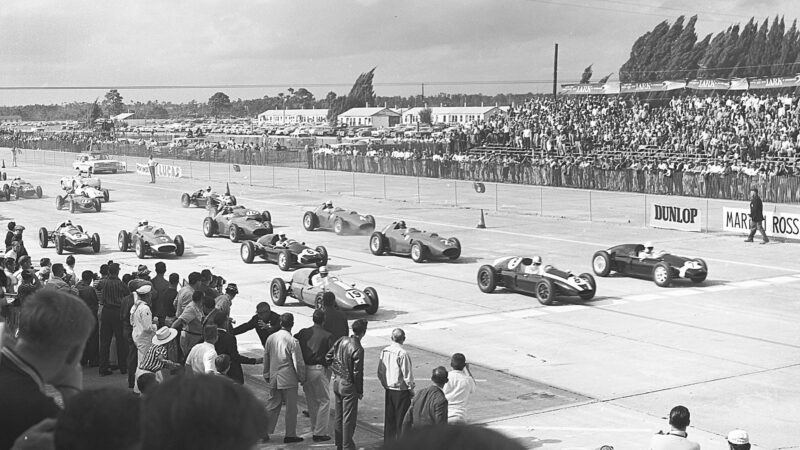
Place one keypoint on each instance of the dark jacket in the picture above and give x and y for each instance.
(335, 322)
(756, 209)
(226, 345)
(429, 407)
(346, 359)
(263, 333)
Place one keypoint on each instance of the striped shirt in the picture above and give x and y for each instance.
(112, 290)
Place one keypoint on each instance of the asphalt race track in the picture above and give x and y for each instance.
(571, 375)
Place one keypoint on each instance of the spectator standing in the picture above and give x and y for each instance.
(346, 360)
(335, 322)
(89, 296)
(315, 341)
(460, 386)
(159, 293)
(395, 373)
(151, 166)
(53, 328)
(112, 291)
(226, 345)
(738, 440)
(430, 404)
(283, 370)
(265, 322)
(201, 357)
(756, 217)
(676, 438)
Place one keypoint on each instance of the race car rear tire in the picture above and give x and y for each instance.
(487, 279)
(97, 205)
(209, 227)
(106, 195)
(138, 246)
(338, 226)
(545, 292)
(43, 238)
(185, 200)
(39, 191)
(323, 254)
(59, 245)
(248, 252)
(277, 291)
(123, 241)
(700, 278)
(285, 260)
(234, 233)
(377, 243)
(372, 294)
(418, 252)
(267, 216)
(309, 221)
(458, 245)
(661, 275)
(59, 202)
(371, 220)
(588, 295)
(601, 263)
(180, 245)
(96, 243)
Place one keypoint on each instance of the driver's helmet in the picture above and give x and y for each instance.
(648, 246)
(401, 225)
(323, 271)
(536, 260)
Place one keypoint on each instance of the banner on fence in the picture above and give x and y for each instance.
(676, 218)
(785, 225)
(162, 170)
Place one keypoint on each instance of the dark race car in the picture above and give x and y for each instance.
(517, 274)
(78, 202)
(238, 223)
(23, 189)
(307, 287)
(67, 236)
(287, 253)
(149, 240)
(662, 268)
(205, 198)
(421, 245)
(339, 220)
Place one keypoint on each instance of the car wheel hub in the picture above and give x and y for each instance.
(599, 264)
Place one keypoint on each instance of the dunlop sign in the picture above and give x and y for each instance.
(162, 170)
(784, 225)
(676, 218)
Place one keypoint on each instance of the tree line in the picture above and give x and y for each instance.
(670, 52)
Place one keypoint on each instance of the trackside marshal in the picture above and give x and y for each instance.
(676, 217)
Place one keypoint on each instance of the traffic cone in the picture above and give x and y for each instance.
(482, 223)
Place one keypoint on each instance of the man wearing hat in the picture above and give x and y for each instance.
(738, 440)
(265, 322)
(223, 302)
(756, 217)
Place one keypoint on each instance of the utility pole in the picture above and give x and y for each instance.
(555, 72)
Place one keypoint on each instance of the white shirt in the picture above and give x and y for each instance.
(201, 358)
(458, 389)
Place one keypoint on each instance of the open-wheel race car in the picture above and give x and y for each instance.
(519, 274)
(661, 267)
(22, 189)
(307, 287)
(206, 198)
(238, 223)
(66, 236)
(78, 202)
(421, 245)
(149, 240)
(341, 221)
(287, 253)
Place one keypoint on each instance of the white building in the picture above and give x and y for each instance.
(453, 114)
(378, 117)
(293, 116)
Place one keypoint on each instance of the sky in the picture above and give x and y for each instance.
(455, 46)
